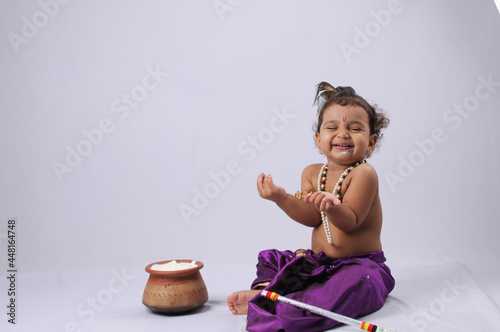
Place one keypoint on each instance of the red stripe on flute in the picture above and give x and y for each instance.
(272, 296)
(368, 327)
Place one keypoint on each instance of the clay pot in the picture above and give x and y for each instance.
(174, 292)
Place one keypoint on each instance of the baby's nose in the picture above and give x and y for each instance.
(343, 133)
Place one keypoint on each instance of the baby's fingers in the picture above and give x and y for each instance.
(308, 198)
(325, 204)
(260, 178)
(314, 198)
(328, 202)
(332, 199)
(263, 185)
(268, 179)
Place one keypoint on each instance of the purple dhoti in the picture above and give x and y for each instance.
(352, 286)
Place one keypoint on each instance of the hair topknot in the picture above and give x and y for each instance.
(327, 95)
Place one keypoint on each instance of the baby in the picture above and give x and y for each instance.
(344, 270)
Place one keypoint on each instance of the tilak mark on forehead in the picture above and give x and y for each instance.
(344, 119)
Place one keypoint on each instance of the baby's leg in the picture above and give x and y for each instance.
(270, 262)
(238, 301)
(351, 290)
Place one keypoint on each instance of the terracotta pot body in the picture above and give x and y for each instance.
(173, 292)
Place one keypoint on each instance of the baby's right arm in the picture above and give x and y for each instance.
(295, 208)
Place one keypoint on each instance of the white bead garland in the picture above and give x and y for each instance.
(336, 191)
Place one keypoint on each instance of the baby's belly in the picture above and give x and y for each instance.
(320, 243)
(344, 244)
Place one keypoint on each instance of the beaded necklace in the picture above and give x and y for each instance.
(336, 191)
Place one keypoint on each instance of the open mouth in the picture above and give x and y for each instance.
(343, 147)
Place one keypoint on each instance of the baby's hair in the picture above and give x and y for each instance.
(327, 95)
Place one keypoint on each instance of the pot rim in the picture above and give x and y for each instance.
(198, 266)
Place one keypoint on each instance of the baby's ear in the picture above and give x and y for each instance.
(371, 144)
(317, 138)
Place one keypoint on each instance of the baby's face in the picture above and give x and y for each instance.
(344, 135)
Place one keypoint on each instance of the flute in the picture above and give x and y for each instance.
(329, 314)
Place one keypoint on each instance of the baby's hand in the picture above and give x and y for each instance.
(322, 200)
(268, 190)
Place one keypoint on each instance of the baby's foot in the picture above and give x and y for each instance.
(238, 301)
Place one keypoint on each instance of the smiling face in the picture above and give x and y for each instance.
(344, 136)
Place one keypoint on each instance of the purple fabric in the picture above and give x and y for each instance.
(352, 286)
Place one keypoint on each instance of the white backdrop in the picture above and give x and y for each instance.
(134, 131)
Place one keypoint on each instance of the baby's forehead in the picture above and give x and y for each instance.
(344, 113)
